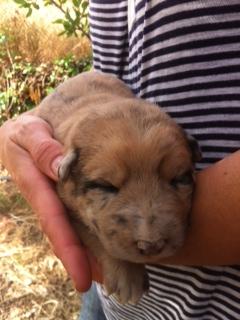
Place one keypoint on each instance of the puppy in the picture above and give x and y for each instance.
(127, 177)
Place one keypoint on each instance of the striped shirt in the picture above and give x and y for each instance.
(185, 56)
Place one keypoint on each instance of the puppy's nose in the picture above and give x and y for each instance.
(150, 248)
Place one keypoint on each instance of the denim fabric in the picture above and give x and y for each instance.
(91, 308)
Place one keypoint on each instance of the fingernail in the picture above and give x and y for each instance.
(55, 165)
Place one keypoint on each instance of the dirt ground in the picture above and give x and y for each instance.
(33, 282)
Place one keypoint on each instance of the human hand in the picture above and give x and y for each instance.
(32, 156)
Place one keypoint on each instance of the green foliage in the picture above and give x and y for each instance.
(23, 85)
(29, 5)
(74, 18)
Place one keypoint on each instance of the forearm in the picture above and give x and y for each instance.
(214, 234)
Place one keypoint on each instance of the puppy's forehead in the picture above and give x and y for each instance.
(126, 150)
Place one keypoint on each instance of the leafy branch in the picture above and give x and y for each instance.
(75, 15)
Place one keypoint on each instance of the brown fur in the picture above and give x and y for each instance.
(126, 177)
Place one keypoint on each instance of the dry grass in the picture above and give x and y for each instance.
(36, 40)
(33, 283)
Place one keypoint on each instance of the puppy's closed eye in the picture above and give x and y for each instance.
(184, 179)
(102, 185)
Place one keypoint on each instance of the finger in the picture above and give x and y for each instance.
(35, 136)
(61, 235)
(95, 267)
(39, 192)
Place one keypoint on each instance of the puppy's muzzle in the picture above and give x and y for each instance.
(151, 248)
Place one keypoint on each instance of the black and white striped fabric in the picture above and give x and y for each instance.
(185, 56)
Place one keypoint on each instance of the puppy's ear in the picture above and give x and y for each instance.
(194, 146)
(66, 164)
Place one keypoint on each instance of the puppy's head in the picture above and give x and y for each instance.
(129, 176)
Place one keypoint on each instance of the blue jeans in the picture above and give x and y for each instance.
(91, 305)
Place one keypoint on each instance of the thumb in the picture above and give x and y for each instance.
(35, 135)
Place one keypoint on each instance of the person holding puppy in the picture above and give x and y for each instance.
(184, 56)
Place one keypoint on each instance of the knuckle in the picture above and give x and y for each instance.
(26, 126)
(43, 150)
(29, 124)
